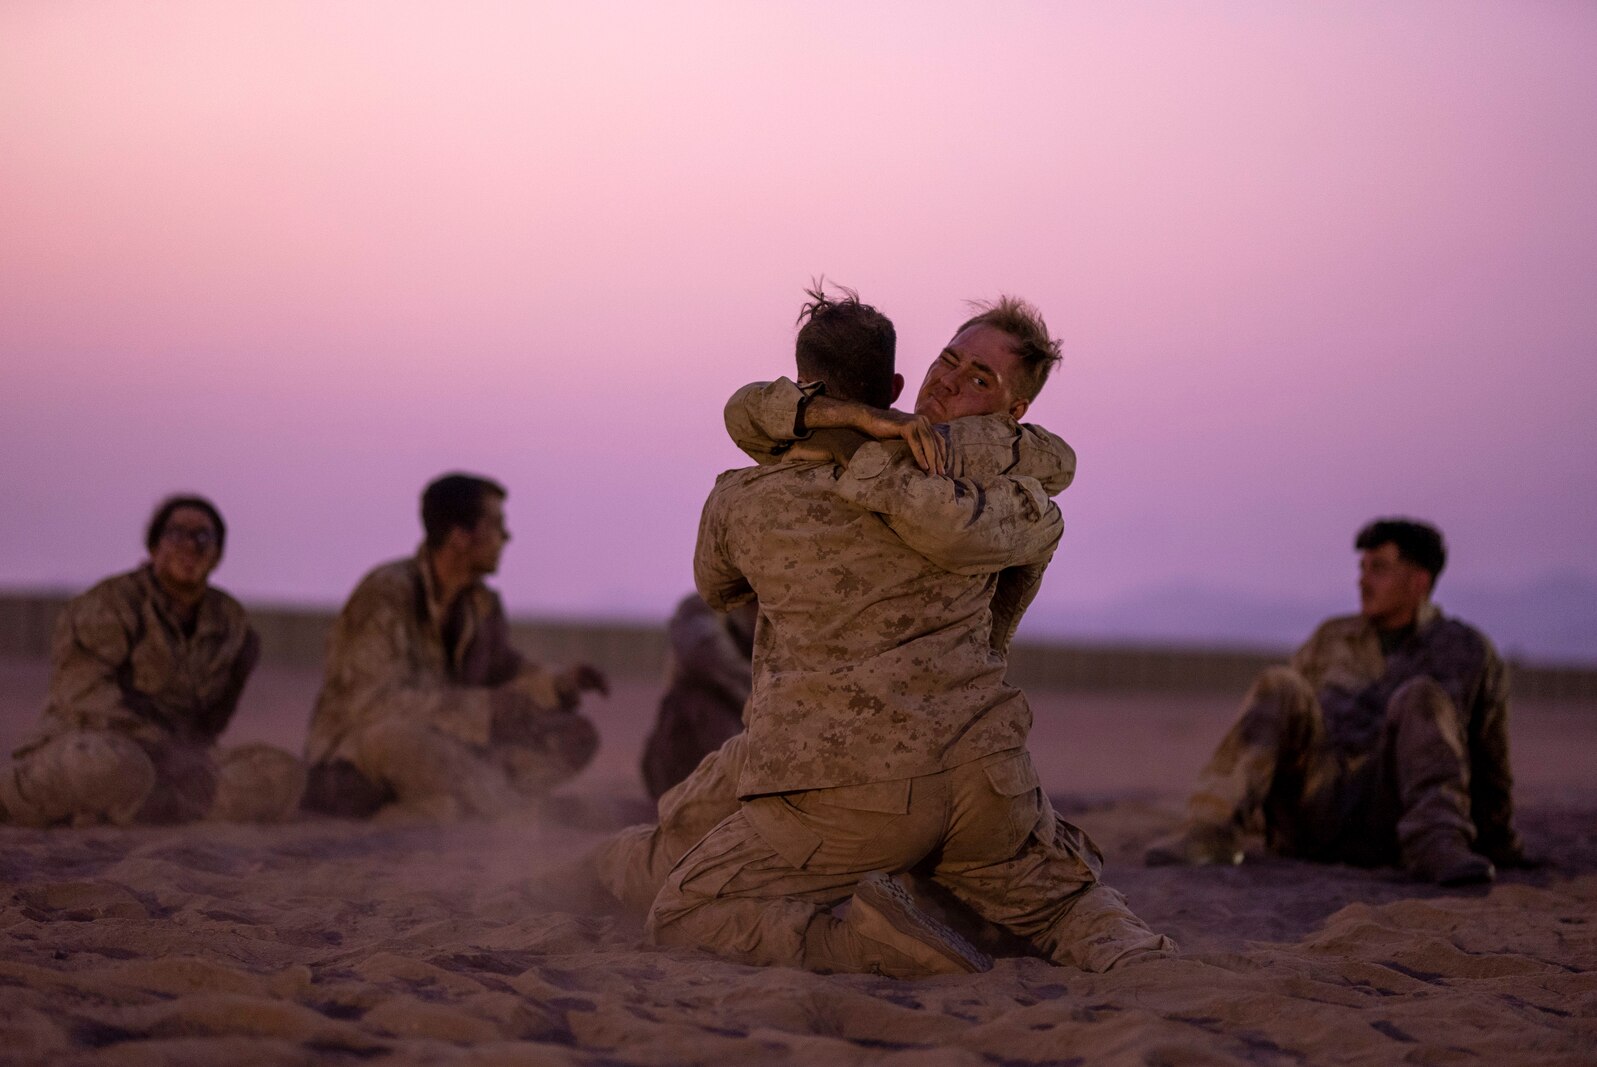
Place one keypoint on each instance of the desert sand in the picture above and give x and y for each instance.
(338, 942)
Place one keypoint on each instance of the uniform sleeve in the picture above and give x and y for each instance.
(89, 653)
(991, 445)
(718, 578)
(1491, 780)
(1017, 588)
(986, 446)
(378, 680)
(962, 524)
(764, 418)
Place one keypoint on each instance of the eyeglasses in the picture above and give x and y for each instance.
(201, 538)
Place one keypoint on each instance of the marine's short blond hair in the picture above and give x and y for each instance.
(1038, 352)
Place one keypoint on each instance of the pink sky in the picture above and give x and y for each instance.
(1310, 262)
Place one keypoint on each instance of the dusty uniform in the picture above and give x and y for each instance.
(708, 683)
(765, 419)
(1351, 753)
(406, 710)
(634, 863)
(137, 701)
(881, 733)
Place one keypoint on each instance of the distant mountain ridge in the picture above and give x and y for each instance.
(1550, 620)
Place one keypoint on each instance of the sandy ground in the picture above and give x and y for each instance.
(334, 942)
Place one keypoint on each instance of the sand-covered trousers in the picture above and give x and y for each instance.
(760, 885)
(633, 863)
(84, 777)
(1322, 803)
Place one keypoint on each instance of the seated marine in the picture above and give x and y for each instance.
(1385, 741)
(146, 672)
(424, 704)
(708, 680)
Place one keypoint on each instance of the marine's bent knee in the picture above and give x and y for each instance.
(1420, 695)
(256, 782)
(83, 777)
(1281, 685)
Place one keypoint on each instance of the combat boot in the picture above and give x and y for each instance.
(900, 940)
(1443, 856)
(1197, 844)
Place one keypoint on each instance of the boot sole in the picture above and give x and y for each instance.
(883, 907)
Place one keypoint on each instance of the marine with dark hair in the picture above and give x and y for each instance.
(146, 672)
(1385, 741)
(424, 704)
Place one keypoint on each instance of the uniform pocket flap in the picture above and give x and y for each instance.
(782, 829)
(886, 798)
(1012, 775)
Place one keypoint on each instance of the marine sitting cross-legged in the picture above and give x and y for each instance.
(425, 707)
(881, 734)
(982, 382)
(146, 672)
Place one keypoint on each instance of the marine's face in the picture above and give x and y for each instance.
(187, 551)
(1391, 589)
(976, 374)
(489, 537)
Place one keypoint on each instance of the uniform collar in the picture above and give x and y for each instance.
(204, 612)
(476, 592)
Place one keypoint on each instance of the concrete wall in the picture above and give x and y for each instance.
(296, 637)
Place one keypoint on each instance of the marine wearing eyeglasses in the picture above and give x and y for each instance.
(147, 670)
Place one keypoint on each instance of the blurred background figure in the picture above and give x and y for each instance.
(708, 678)
(1385, 741)
(146, 672)
(424, 704)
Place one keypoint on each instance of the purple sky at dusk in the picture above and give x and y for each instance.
(1311, 262)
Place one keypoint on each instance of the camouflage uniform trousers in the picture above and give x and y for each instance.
(634, 862)
(1324, 804)
(431, 773)
(85, 777)
(759, 888)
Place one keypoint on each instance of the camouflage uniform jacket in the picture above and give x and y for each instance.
(387, 658)
(872, 660)
(121, 660)
(765, 418)
(1353, 681)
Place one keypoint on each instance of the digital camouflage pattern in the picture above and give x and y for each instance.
(882, 735)
(873, 658)
(633, 864)
(763, 420)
